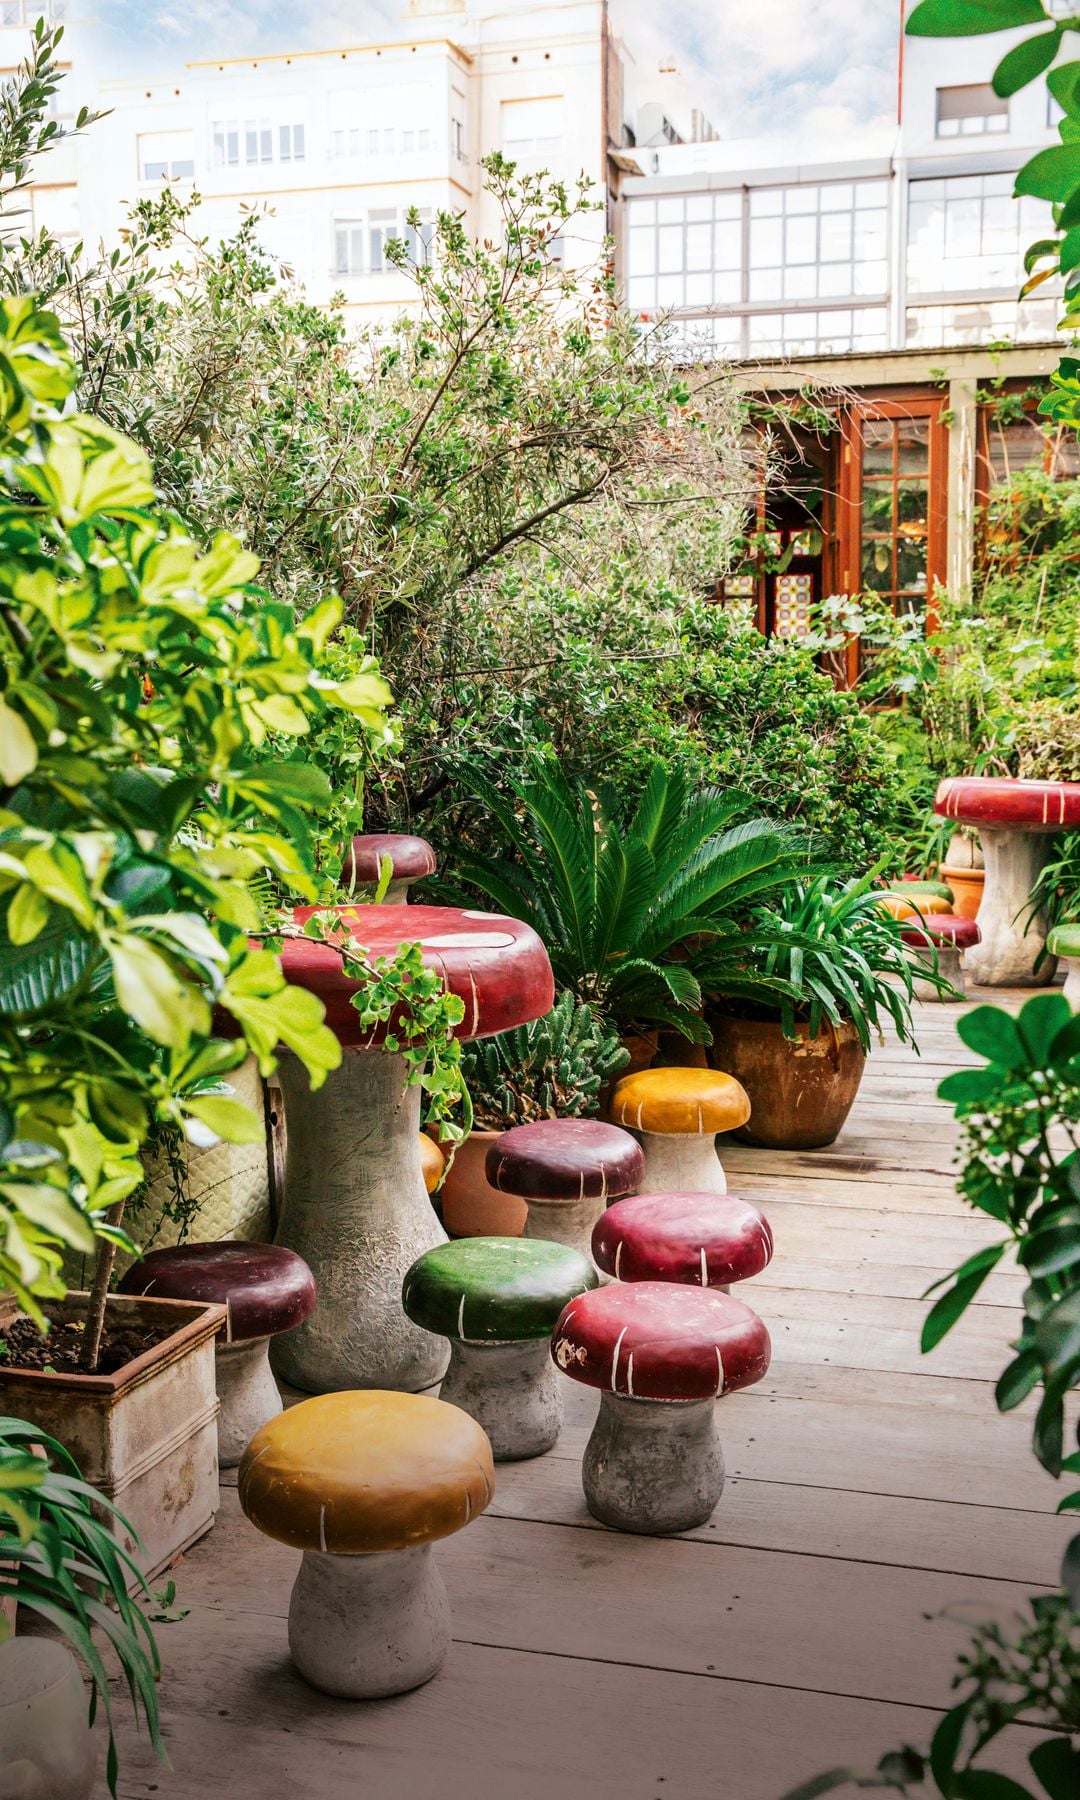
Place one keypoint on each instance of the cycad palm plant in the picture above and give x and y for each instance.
(625, 904)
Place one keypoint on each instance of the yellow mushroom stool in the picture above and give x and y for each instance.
(364, 1483)
(677, 1113)
(432, 1162)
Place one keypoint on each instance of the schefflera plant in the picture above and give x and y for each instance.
(552, 1068)
(141, 810)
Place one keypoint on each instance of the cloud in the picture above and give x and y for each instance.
(772, 65)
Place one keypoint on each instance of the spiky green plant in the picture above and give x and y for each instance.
(59, 1558)
(618, 900)
(552, 1068)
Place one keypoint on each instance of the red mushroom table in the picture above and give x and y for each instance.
(1015, 821)
(356, 1207)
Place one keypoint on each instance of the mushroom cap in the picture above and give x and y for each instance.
(266, 1287)
(949, 931)
(356, 1473)
(1006, 802)
(566, 1159)
(494, 1289)
(919, 906)
(411, 857)
(657, 1340)
(497, 966)
(703, 1240)
(1064, 940)
(432, 1162)
(680, 1102)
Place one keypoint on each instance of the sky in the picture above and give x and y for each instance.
(760, 65)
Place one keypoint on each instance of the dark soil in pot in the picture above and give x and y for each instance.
(800, 1089)
(61, 1349)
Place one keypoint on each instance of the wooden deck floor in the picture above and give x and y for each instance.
(868, 1488)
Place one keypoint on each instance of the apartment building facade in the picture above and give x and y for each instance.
(336, 147)
(880, 271)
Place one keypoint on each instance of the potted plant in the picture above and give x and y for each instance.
(843, 961)
(619, 895)
(139, 678)
(556, 1067)
(60, 1559)
(962, 868)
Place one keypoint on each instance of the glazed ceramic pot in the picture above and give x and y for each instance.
(801, 1089)
(471, 1207)
(47, 1749)
(967, 888)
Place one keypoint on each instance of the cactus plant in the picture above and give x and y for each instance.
(553, 1068)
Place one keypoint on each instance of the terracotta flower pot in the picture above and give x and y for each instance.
(801, 1089)
(471, 1207)
(967, 887)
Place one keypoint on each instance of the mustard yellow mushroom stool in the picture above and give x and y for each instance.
(364, 1483)
(676, 1113)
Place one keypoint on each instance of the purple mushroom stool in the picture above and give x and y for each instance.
(411, 858)
(567, 1170)
(266, 1289)
(699, 1240)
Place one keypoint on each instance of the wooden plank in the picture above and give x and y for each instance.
(239, 1722)
(804, 1622)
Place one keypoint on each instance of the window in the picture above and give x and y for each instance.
(28, 12)
(970, 111)
(166, 156)
(257, 139)
(457, 124)
(531, 128)
(819, 242)
(348, 247)
(382, 226)
(291, 143)
(966, 234)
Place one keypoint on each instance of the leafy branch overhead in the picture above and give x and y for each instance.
(143, 686)
(1052, 174)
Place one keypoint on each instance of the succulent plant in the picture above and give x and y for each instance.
(552, 1068)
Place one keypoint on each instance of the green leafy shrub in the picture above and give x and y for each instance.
(616, 895)
(552, 1068)
(140, 683)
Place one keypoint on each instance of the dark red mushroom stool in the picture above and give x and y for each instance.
(698, 1240)
(1016, 821)
(356, 1207)
(937, 945)
(266, 1290)
(411, 858)
(661, 1354)
(567, 1170)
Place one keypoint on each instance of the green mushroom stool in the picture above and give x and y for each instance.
(497, 1300)
(1064, 941)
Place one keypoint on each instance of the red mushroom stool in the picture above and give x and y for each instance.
(411, 858)
(661, 1355)
(266, 1290)
(1016, 821)
(356, 1206)
(936, 946)
(699, 1240)
(365, 1484)
(677, 1114)
(567, 1170)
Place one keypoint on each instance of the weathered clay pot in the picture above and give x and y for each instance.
(471, 1207)
(801, 1089)
(967, 888)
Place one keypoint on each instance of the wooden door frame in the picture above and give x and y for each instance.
(891, 403)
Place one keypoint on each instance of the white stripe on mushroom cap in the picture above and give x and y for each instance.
(720, 1372)
(615, 1359)
(704, 1268)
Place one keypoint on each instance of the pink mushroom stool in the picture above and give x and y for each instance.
(938, 944)
(266, 1290)
(411, 858)
(660, 1354)
(356, 1206)
(567, 1170)
(1015, 821)
(698, 1240)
